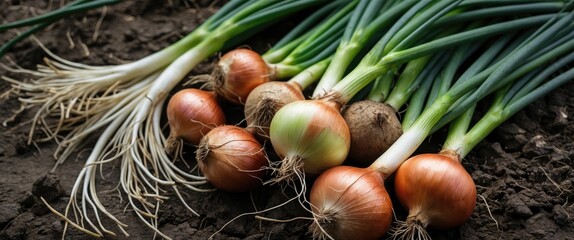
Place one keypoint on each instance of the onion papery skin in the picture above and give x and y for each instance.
(312, 131)
(192, 113)
(239, 72)
(374, 128)
(264, 101)
(436, 190)
(232, 159)
(350, 203)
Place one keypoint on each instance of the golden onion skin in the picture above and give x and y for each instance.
(240, 71)
(191, 113)
(436, 189)
(232, 159)
(350, 203)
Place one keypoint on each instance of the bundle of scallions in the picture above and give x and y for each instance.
(312, 136)
(431, 59)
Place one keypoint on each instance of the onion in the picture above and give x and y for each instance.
(438, 192)
(191, 113)
(374, 128)
(231, 159)
(350, 203)
(238, 72)
(265, 100)
(309, 135)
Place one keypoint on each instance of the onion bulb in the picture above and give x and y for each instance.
(238, 72)
(374, 128)
(265, 100)
(231, 159)
(309, 135)
(436, 190)
(350, 203)
(191, 113)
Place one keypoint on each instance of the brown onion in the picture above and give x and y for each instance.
(238, 72)
(265, 100)
(231, 159)
(374, 128)
(350, 203)
(438, 192)
(191, 113)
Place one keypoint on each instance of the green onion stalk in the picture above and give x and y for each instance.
(368, 21)
(443, 194)
(339, 195)
(126, 101)
(40, 22)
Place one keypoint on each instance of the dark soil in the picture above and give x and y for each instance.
(523, 170)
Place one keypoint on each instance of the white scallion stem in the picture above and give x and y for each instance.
(411, 139)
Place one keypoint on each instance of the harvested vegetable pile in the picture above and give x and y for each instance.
(522, 170)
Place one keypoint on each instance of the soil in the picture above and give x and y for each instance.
(523, 170)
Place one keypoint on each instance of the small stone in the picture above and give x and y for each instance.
(47, 187)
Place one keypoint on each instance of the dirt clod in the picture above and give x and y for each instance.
(48, 187)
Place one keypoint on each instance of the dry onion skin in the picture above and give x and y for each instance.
(374, 128)
(232, 159)
(350, 203)
(238, 72)
(191, 113)
(436, 190)
(265, 100)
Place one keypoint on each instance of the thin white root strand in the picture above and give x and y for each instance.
(489, 212)
(282, 220)
(68, 221)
